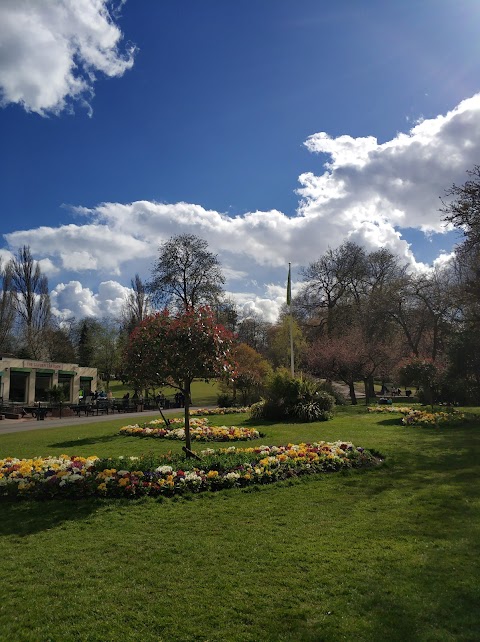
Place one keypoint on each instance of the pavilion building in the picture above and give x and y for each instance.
(26, 381)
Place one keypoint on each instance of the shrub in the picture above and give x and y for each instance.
(257, 410)
(310, 411)
(335, 392)
(294, 398)
(224, 400)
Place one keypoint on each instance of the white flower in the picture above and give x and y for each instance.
(192, 477)
(208, 451)
(74, 477)
(164, 470)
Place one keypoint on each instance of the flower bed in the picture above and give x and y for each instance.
(218, 411)
(76, 477)
(423, 418)
(404, 410)
(199, 431)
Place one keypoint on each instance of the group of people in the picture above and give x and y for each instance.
(395, 392)
(179, 399)
(101, 395)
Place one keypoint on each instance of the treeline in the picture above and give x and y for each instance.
(363, 315)
(358, 315)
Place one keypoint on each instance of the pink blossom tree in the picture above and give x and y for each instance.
(174, 350)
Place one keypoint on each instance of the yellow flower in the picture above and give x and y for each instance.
(102, 487)
(212, 473)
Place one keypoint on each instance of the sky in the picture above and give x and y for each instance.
(272, 129)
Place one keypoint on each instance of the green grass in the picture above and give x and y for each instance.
(385, 554)
(203, 394)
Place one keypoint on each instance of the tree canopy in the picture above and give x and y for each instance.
(174, 350)
(186, 275)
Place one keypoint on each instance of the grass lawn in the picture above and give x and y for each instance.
(203, 394)
(385, 554)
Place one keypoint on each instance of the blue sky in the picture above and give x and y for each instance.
(273, 129)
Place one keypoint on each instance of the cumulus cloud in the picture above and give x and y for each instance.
(74, 300)
(51, 52)
(79, 248)
(368, 192)
(396, 183)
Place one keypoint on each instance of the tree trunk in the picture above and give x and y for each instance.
(367, 391)
(352, 393)
(188, 441)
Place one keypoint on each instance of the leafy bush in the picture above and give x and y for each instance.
(257, 410)
(224, 400)
(296, 398)
(311, 411)
(336, 393)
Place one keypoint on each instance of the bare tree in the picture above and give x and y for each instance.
(254, 331)
(333, 279)
(137, 306)
(462, 207)
(32, 301)
(186, 275)
(7, 308)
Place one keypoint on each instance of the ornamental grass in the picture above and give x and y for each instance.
(77, 477)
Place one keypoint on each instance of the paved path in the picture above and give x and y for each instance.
(22, 425)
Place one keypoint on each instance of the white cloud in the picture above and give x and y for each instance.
(443, 260)
(48, 268)
(368, 192)
(396, 183)
(73, 300)
(79, 248)
(51, 51)
(5, 256)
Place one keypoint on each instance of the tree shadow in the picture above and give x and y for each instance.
(392, 421)
(259, 423)
(24, 518)
(87, 441)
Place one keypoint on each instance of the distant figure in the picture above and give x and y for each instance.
(109, 395)
(408, 393)
(126, 399)
(102, 394)
(95, 395)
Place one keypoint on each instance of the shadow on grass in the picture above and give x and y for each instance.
(260, 422)
(87, 441)
(28, 517)
(393, 421)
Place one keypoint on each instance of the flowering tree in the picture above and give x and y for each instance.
(351, 357)
(175, 350)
